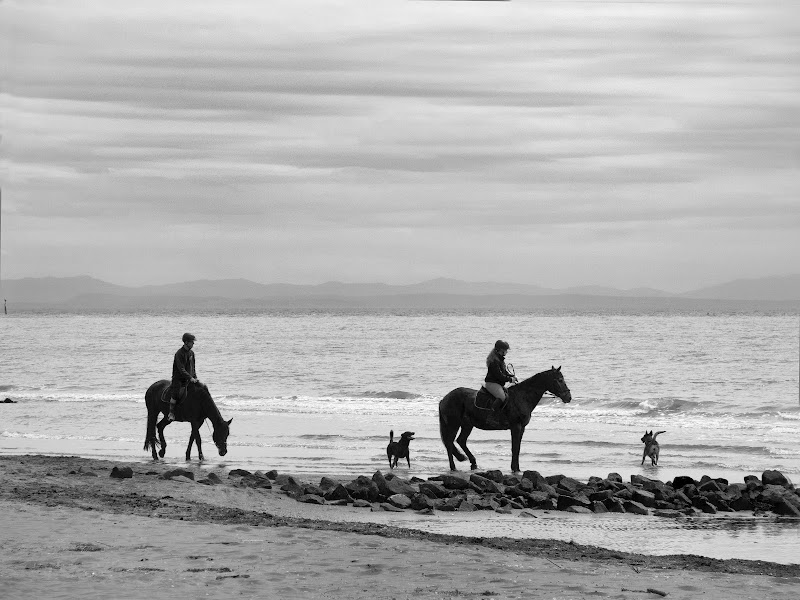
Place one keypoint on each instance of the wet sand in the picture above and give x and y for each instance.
(66, 533)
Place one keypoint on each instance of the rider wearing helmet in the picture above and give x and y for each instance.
(497, 374)
(183, 371)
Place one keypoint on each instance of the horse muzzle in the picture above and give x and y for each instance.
(223, 450)
(566, 398)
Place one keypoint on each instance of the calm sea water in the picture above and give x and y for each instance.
(316, 392)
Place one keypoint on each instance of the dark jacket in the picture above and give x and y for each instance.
(183, 367)
(497, 372)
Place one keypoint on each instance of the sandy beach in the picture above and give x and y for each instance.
(70, 530)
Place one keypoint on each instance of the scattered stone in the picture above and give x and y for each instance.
(173, 473)
(121, 473)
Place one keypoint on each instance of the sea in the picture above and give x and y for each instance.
(317, 392)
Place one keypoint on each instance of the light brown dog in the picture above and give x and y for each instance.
(651, 447)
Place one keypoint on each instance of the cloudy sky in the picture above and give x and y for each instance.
(550, 142)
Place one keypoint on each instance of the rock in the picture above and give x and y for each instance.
(313, 490)
(433, 489)
(9, 401)
(579, 509)
(598, 507)
(239, 473)
(339, 492)
(212, 479)
(363, 488)
(283, 479)
(486, 485)
(181, 479)
(564, 501)
(634, 507)
(682, 480)
(359, 503)
(614, 477)
(774, 478)
(326, 483)
(672, 514)
(173, 473)
(571, 485)
(311, 499)
(503, 510)
(494, 475)
(703, 504)
(741, 503)
(615, 505)
(644, 497)
(121, 473)
(554, 479)
(421, 502)
(399, 500)
(526, 514)
(272, 474)
(786, 508)
(709, 486)
(452, 482)
(466, 506)
(535, 478)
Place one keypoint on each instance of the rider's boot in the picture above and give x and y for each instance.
(171, 415)
(498, 403)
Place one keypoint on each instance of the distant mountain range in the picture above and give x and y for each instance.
(87, 292)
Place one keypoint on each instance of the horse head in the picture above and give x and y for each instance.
(221, 426)
(557, 386)
(220, 436)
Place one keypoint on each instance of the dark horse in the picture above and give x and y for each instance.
(195, 409)
(457, 411)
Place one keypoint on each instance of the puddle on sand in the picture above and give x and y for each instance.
(746, 537)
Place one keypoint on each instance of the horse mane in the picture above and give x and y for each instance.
(211, 407)
(526, 383)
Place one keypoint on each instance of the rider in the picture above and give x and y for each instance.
(498, 375)
(183, 371)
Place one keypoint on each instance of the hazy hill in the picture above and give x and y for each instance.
(84, 291)
(765, 288)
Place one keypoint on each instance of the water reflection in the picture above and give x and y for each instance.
(774, 539)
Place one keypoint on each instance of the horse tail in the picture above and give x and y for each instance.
(450, 446)
(151, 400)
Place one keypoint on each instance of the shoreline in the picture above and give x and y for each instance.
(63, 483)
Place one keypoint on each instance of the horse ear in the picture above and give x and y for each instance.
(229, 422)
(559, 368)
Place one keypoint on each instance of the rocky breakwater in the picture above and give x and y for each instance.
(492, 490)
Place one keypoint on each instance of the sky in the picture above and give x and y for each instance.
(555, 143)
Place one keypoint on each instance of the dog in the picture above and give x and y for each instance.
(651, 447)
(398, 450)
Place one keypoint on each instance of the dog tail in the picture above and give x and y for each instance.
(655, 435)
(391, 435)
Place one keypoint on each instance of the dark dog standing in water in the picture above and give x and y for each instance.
(398, 450)
(651, 447)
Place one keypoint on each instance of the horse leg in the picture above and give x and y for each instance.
(466, 429)
(516, 442)
(196, 435)
(161, 425)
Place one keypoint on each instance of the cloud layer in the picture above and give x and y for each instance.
(558, 143)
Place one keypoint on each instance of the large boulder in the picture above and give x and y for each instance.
(774, 478)
(363, 488)
(433, 489)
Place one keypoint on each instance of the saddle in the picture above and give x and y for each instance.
(484, 399)
(167, 394)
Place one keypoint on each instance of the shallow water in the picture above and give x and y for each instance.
(316, 393)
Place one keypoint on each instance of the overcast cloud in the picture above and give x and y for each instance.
(557, 143)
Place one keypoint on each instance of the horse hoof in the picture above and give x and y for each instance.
(161, 453)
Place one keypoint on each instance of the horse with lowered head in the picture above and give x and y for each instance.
(195, 408)
(457, 410)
